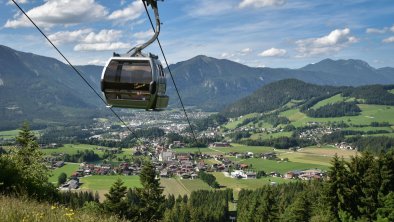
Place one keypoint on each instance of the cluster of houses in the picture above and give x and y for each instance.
(312, 174)
(313, 134)
(345, 146)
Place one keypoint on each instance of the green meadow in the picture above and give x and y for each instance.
(11, 134)
(104, 182)
(68, 168)
(369, 114)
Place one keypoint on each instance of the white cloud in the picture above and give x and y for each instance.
(96, 62)
(60, 12)
(85, 36)
(246, 50)
(261, 3)
(227, 55)
(333, 42)
(376, 31)
(207, 8)
(131, 12)
(69, 36)
(101, 46)
(380, 31)
(144, 35)
(389, 39)
(103, 36)
(87, 40)
(273, 52)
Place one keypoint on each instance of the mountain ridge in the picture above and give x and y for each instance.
(55, 91)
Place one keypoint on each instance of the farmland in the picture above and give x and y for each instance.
(68, 168)
(369, 113)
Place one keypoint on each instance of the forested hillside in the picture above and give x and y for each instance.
(276, 95)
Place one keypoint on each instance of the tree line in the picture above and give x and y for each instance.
(361, 189)
(334, 110)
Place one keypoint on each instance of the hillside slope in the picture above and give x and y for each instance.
(42, 90)
(276, 95)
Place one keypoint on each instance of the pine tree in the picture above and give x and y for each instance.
(30, 163)
(115, 202)
(152, 200)
(299, 210)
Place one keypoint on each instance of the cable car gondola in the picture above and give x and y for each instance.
(136, 80)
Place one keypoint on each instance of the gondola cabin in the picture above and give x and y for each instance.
(134, 82)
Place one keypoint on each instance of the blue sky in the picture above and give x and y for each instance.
(272, 33)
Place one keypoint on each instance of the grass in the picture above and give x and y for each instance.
(72, 149)
(195, 150)
(233, 124)
(11, 134)
(266, 136)
(104, 182)
(238, 184)
(222, 150)
(69, 168)
(280, 166)
(319, 156)
(243, 148)
(369, 113)
(182, 187)
(369, 128)
(21, 209)
(334, 99)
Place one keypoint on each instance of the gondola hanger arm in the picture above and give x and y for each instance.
(137, 50)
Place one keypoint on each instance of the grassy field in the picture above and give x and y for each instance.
(319, 156)
(279, 166)
(72, 149)
(369, 128)
(238, 184)
(334, 99)
(223, 150)
(242, 149)
(195, 150)
(369, 113)
(104, 182)
(233, 124)
(181, 187)
(69, 168)
(11, 134)
(266, 136)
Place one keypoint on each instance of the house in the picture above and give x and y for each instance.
(250, 175)
(220, 144)
(164, 174)
(237, 174)
(59, 164)
(292, 174)
(269, 156)
(166, 156)
(243, 166)
(275, 174)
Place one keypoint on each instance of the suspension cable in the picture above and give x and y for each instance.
(173, 80)
(77, 71)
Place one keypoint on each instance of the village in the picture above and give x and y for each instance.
(187, 165)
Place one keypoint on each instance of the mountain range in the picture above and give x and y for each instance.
(42, 89)
(213, 83)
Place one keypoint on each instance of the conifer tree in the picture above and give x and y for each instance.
(152, 200)
(115, 198)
